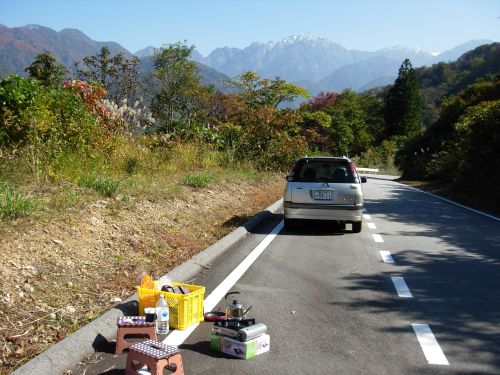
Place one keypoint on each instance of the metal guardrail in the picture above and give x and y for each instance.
(369, 170)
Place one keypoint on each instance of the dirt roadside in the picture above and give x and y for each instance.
(60, 274)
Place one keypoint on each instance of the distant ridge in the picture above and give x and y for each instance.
(317, 63)
(19, 46)
(322, 64)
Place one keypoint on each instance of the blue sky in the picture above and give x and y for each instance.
(433, 25)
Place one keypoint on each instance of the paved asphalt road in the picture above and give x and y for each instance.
(331, 306)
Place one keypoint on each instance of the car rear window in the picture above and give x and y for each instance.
(318, 170)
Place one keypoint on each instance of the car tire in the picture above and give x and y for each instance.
(356, 226)
(289, 224)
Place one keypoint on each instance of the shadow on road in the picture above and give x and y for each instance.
(456, 290)
(203, 347)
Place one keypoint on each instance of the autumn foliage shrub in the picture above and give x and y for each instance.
(35, 114)
(90, 93)
(16, 97)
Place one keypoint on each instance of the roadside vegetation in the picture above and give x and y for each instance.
(105, 174)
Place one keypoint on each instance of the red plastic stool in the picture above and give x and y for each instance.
(133, 325)
(156, 356)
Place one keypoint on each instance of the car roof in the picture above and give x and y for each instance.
(325, 158)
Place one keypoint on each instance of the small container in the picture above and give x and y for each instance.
(150, 314)
(162, 316)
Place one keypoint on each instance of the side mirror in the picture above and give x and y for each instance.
(363, 180)
(289, 178)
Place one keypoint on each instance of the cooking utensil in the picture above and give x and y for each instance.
(214, 316)
(235, 324)
(235, 310)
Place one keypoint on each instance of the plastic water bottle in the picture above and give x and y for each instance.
(162, 316)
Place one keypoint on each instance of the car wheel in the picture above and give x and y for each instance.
(356, 226)
(289, 224)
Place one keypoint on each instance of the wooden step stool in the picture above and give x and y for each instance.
(133, 325)
(156, 356)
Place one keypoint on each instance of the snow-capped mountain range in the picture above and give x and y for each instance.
(321, 64)
(318, 64)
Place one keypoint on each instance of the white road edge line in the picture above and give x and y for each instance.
(367, 216)
(450, 201)
(177, 337)
(432, 351)
(377, 237)
(372, 225)
(387, 257)
(401, 287)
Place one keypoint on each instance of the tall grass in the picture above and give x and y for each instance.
(15, 204)
(198, 179)
(105, 186)
(128, 166)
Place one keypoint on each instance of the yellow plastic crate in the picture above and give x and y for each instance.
(185, 309)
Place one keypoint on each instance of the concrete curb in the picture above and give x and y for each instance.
(68, 352)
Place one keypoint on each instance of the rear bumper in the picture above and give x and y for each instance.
(323, 212)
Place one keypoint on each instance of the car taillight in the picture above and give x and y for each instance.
(352, 167)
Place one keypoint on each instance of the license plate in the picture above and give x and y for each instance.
(322, 195)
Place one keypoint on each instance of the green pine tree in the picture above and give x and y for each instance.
(47, 70)
(403, 108)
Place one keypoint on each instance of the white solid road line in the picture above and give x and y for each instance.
(450, 201)
(387, 257)
(377, 237)
(372, 225)
(367, 216)
(429, 344)
(177, 337)
(401, 287)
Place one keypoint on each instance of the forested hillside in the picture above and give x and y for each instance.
(54, 114)
(443, 80)
(461, 141)
(20, 45)
(316, 63)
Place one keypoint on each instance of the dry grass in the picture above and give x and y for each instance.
(63, 268)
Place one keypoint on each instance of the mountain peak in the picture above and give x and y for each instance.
(302, 37)
(398, 49)
(148, 51)
(305, 38)
(74, 33)
(32, 27)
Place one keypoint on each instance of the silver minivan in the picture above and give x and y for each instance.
(324, 188)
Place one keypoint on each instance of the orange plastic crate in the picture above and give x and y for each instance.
(185, 309)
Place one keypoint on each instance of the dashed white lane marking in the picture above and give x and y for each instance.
(387, 257)
(367, 216)
(178, 336)
(429, 344)
(401, 287)
(377, 237)
(372, 225)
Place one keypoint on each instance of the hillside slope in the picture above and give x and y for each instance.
(19, 46)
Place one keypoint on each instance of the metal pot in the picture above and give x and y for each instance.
(235, 310)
